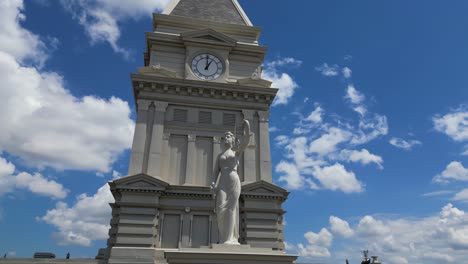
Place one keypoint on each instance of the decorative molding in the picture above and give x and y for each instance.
(143, 105)
(257, 81)
(192, 138)
(216, 140)
(168, 87)
(157, 70)
(208, 36)
(161, 106)
(264, 116)
(248, 114)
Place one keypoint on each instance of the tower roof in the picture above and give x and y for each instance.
(225, 11)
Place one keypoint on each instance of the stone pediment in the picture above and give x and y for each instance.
(139, 181)
(208, 36)
(263, 188)
(157, 70)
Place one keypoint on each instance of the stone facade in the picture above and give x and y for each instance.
(164, 208)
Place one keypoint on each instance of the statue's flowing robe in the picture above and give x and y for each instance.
(227, 200)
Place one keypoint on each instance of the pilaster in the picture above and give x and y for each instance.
(155, 152)
(264, 146)
(250, 171)
(191, 166)
(139, 138)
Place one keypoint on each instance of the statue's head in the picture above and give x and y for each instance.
(229, 139)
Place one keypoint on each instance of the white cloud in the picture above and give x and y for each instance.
(437, 193)
(454, 171)
(116, 174)
(87, 220)
(35, 183)
(14, 39)
(317, 244)
(324, 238)
(369, 226)
(45, 125)
(283, 81)
(346, 72)
(281, 140)
(461, 196)
(310, 157)
(291, 175)
(101, 18)
(316, 115)
(328, 71)
(340, 227)
(454, 125)
(442, 237)
(329, 142)
(288, 61)
(354, 96)
(370, 128)
(404, 144)
(362, 156)
(42, 122)
(336, 177)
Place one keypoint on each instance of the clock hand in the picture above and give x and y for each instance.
(208, 65)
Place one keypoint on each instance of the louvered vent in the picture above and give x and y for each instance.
(180, 115)
(204, 117)
(229, 120)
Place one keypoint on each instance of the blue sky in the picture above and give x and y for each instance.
(369, 131)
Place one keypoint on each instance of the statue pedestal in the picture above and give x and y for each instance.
(226, 254)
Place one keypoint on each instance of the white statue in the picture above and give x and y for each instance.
(229, 187)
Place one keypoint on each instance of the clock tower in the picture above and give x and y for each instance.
(201, 77)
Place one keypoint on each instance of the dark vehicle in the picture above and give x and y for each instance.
(44, 255)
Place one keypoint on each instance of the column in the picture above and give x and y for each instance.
(264, 145)
(155, 152)
(250, 171)
(216, 152)
(139, 138)
(165, 159)
(191, 164)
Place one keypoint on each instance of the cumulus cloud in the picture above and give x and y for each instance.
(84, 222)
(34, 183)
(455, 171)
(317, 246)
(437, 238)
(404, 144)
(14, 39)
(101, 18)
(340, 227)
(281, 80)
(336, 177)
(42, 122)
(454, 125)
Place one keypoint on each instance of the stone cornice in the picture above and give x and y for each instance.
(191, 91)
(155, 38)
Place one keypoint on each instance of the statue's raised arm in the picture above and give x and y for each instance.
(246, 138)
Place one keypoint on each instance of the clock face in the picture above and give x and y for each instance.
(207, 66)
